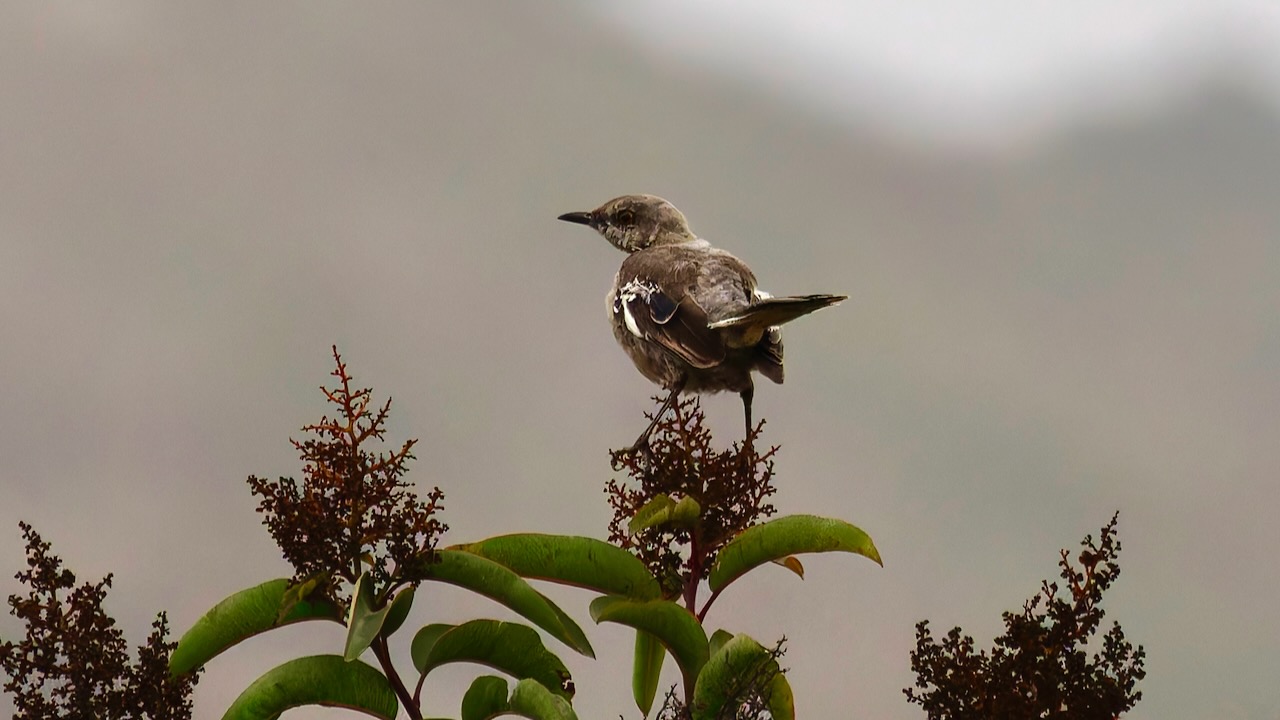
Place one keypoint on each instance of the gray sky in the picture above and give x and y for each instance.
(986, 73)
(1057, 229)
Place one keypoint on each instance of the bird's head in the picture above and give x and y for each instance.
(636, 222)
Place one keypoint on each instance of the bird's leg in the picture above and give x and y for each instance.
(643, 440)
(746, 396)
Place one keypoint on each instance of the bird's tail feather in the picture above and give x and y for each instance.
(776, 311)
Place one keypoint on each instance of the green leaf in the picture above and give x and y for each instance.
(317, 680)
(579, 561)
(364, 621)
(675, 627)
(533, 700)
(648, 514)
(298, 592)
(728, 676)
(424, 640)
(718, 639)
(647, 670)
(785, 536)
(782, 702)
(662, 510)
(397, 611)
(510, 647)
(497, 582)
(241, 616)
(686, 511)
(486, 698)
(574, 632)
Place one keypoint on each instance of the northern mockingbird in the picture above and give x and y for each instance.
(689, 315)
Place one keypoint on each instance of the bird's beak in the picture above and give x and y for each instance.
(582, 218)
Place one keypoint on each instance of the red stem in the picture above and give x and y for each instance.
(702, 614)
(410, 702)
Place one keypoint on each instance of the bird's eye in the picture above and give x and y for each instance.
(626, 217)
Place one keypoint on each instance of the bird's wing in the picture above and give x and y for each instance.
(654, 303)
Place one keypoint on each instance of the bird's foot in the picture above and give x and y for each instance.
(639, 450)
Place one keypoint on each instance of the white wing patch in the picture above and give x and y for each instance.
(630, 321)
(627, 294)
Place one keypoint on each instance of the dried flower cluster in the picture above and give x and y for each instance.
(1040, 667)
(731, 487)
(353, 505)
(74, 662)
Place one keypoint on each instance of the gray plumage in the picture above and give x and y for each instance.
(689, 315)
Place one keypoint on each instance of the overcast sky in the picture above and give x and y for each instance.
(1056, 224)
(987, 72)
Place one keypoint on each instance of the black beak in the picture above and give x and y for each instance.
(582, 218)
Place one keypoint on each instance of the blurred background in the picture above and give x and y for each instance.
(1057, 227)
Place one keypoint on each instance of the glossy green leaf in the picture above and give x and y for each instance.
(497, 582)
(241, 616)
(675, 627)
(740, 663)
(364, 621)
(486, 698)
(647, 670)
(663, 510)
(424, 640)
(574, 632)
(686, 511)
(782, 702)
(317, 680)
(398, 611)
(510, 647)
(718, 639)
(579, 561)
(785, 536)
(651, 513)
(297, 592)
(533, 700)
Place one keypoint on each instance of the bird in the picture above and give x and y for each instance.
(690, 316)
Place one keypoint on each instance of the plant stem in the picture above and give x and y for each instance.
(695, 568)
(702, 614)
(691, 588)
(381, 651)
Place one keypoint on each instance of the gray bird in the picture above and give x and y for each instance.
(689, 315)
